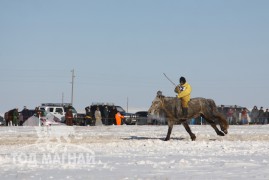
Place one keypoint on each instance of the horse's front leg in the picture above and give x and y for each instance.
(214, 126)
(220, 133)
(188, 129)
(223, 123)
(170, 127)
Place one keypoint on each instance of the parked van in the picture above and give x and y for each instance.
(58, 109)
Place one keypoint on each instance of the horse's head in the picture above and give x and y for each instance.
(157, 104)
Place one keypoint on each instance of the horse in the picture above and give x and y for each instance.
(9, 117)
(171, 108)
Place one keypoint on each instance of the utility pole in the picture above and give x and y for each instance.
(72, 92)
(62, 98)
(127, 104)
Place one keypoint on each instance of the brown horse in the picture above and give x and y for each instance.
(9, 117)
(171, 108)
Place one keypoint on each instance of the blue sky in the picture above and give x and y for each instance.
(121, 49)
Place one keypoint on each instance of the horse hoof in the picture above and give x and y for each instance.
(221, 133)
(225, 131)
(193, 138)
(166, 139)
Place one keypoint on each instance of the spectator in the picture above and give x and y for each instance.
(112, 114)
(69, 117)
(230, 116)
(37, 112)
(15, 119)
(236, 115)
(222, 111)
(98, 117)
(106, 113)
(244, 116)
(88, 116)
(118, 118)
(254, 115)
(261, 116)
(266, 116)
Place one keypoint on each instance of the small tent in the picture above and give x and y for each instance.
(49, 119)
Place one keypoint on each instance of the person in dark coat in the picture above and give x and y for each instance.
(261, 116)
(112, 114)
(266, 116)
(88, 116)
(15, 119)
(106, 114)
(254, 115)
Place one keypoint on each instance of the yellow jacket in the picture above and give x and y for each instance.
(184, 92)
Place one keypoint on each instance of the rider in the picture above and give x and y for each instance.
(184, 94)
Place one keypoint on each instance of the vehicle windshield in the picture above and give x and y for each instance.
(120, 109)
(73, 109)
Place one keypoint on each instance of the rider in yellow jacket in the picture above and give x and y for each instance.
(184, 93)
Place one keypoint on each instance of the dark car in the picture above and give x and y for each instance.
(159, 119)
(142, 118)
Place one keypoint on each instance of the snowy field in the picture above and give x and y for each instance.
(133, 152)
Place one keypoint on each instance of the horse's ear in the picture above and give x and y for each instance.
(159, 93)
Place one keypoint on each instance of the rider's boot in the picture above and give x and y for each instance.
(184, 113)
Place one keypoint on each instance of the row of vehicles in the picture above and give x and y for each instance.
(59, 109)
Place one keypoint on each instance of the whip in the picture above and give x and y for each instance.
(169, 79)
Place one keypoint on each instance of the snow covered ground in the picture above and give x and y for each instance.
(133, 152)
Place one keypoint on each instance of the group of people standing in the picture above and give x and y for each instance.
(259, 116)
(102, 115)
(236, 115)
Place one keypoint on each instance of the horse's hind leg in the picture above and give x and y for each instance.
(188, 129)
(214, 126)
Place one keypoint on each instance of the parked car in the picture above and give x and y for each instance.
(58, 109)
(2, 121)
(129, 118)
(142, 118)
(157, 120)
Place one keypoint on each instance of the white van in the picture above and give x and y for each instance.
(58, 109)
